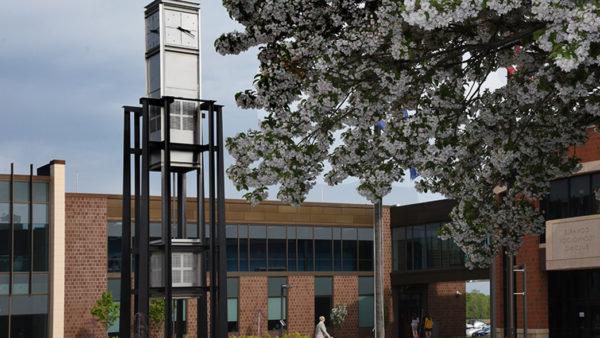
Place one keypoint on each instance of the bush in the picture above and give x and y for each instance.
(106, 310)
(338, 315)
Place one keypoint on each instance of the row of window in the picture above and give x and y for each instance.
(418, 247)
(572, 197)
(277, 247)
(28, 301)
(277, 301)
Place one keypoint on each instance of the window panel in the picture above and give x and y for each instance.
(21, 247)
(323, 249)
(420, 247)
(323, 286)
(40, 213)
(232, 304)
(4, 213)
(4, 191)
(365, 302)
(558, 199)
(434, 248)
(40, 192)
(275, 302)
(232, 247)
(305, 249)
(39, 283)
(21, 213)
(349, 249)
(580, 196)
(277, 248)
(291, 249)
(4, 280)
(337, 249)
(192, 230)
(21, 192)
(258, 248)
(20, 283)
(4, 247)
(365, 249)
(114, 246)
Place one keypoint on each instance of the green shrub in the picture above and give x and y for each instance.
(106, 310)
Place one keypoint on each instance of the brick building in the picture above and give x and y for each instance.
(323, 251)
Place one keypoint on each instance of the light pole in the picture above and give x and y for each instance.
(282, 323)
(378, 261)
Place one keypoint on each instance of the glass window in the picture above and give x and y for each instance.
(277, 249)
(4, 191)
(365, 302)
(580, 196)
(40, 247)
(4, 316)
(420, 247)
(21, 248)
(258, 247)
(40, 192)
(349, 249)
(276, 302)
(21, 213)
(40, 213)
(232, 247)
(4, 280)
(291, 248)
(21, 192)
(434, 247)
(114, 246)
(365, 249)
(323, 249)
(305, 249)
(192, 230)
(323, 298)
(558, 200)
(39, 283)
(337, 249)
(232, 304)
(243, 244)
(4, 247)
(595, 187)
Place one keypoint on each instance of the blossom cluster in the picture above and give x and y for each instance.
(330, 71)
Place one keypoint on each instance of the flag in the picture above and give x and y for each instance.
(414, 174)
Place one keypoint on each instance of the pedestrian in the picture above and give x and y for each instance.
(427, 325)
(321, 330)
(414, 325)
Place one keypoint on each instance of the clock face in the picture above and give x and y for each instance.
(181, 29)
(152, 31)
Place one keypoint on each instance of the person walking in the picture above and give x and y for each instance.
(414, 325)
(321, 330)
(428, 325)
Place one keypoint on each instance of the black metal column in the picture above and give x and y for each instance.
(136, 175)
(30, 241)
(125, 309)
(213, 225)
(201, 314)
(142, 312)
(11, 252)
(166, 217)
(222, 282)
(181, 233)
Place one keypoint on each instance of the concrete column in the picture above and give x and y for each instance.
(56, 315)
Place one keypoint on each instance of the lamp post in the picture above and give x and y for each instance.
(522, 269)
(284, 289)
(378, 254)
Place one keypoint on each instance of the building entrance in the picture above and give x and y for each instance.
(574, 304)
(411, 301)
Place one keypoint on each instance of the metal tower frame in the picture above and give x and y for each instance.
(214, 246)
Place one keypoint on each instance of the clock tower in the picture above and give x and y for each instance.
(173, 49)
(173, 70)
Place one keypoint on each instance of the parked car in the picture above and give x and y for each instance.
(485, 331)
(473, 326)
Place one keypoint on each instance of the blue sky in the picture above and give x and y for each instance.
(66, 68)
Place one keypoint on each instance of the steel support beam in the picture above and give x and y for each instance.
(221, 235)
(125, 308)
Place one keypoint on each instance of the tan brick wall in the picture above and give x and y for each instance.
(301, 309)
(252, 304)
(345, 291)
(86, 267)
(447, 308)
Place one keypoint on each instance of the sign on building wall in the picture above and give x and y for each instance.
(573, 243)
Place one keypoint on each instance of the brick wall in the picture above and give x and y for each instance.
(447, 308)
(252, 304)
(532, 256)
(345, 291)
(301, 309)
(391, 326)
(590, 150)
(86, 263)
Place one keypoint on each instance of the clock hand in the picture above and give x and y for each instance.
(186, 31)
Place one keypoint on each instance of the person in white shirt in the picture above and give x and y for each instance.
(321, 330)
(414, 325)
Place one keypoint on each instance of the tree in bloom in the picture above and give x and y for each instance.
(332, 69)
